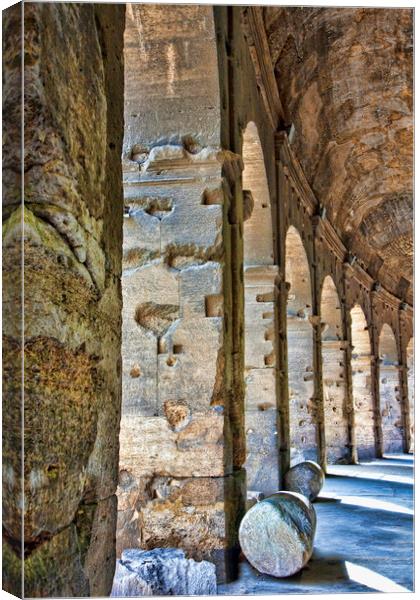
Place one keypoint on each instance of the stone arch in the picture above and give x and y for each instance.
(333, 373)
(389, 392)
(262, 466)
(302, 417)
(364, 411)
(258, 227)
(410, 390)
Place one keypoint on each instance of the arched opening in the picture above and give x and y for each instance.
(262, 469)
(364, 413)
(302, 417)
(410, 390)
(389, 385)
(334, 383)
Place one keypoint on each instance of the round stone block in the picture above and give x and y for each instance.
(276, 535)
(306, 478)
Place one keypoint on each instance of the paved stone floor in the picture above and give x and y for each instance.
(364, 537)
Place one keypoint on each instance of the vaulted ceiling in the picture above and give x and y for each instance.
(345, 79)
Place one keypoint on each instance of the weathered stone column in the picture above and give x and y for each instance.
(71, 243)
(261, 412)
(182, 444)
(283, 288)
(406, 410)
(282, 292)
(347, 346)
(375, 370)
(317, 344)
(178, 483)
(318, 396)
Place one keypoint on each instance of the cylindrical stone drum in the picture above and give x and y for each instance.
(276, 535)
(306, 478)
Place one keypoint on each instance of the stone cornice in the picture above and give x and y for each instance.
(325, 230)
(260, 54)
(297, 180)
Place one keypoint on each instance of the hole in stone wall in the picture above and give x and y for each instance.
(212, 197)
(214, 305)
(268, 297)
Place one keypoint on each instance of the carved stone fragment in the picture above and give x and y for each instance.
(162, 572)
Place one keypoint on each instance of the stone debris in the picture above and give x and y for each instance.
(306, 478)
(276, 535)
(162, 572)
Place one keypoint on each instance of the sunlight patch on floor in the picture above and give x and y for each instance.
(369, 502)
(372, 579)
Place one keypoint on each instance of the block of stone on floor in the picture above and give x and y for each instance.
(162, 572)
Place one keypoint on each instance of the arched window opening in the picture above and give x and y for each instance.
(389, 385)
(302, 415)
(262, 467)
(410, 390)
(364, 415)
(334, 383)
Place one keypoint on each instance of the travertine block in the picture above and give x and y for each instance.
(162, 572)
(149, 446)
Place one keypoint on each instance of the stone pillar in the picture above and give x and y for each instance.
(70, 248)
(346, 347)
(375, 370)
(283, 288)
(317, 344)
(282, 292)
(406, 413)
(405, 407)
(181, 439)
(261, 413)
(318, 396)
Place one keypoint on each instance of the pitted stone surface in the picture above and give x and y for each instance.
(73, 127)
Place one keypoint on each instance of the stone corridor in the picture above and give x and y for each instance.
(363, 511)
(214, 258)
